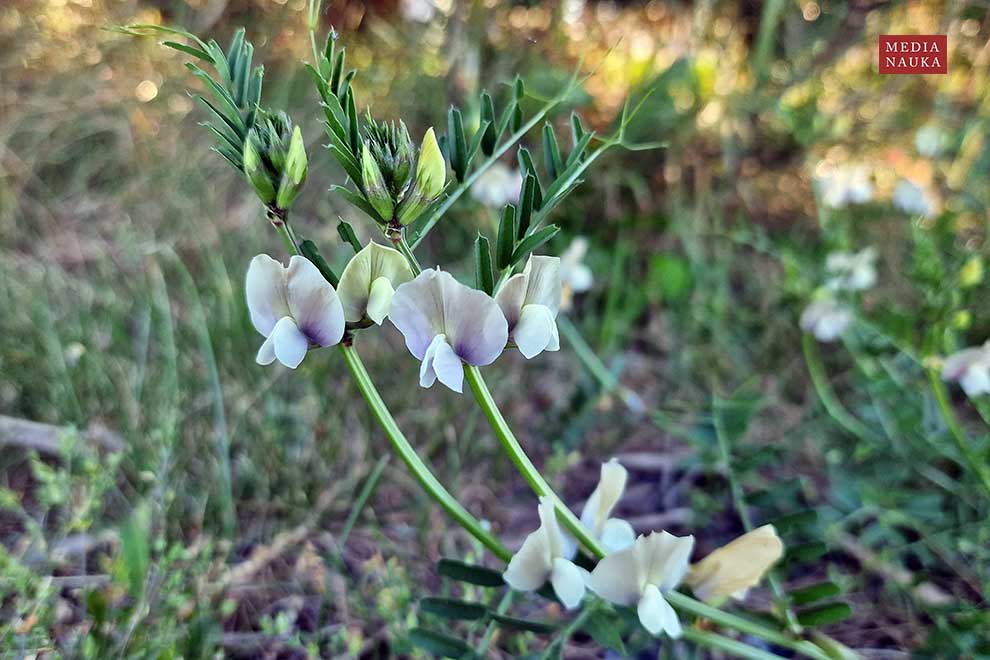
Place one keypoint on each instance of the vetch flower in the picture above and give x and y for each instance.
(542, 557)
(497, 186)
(615, 534)
(846, 185)
(826, 319)
(294, 308)
(368, 282)
(639, 576)
(575, 275)
(970, 368)
(849, 271)
(734, 568)
(446, 323)
(530, 301)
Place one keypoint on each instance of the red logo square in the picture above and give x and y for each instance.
(916, 53)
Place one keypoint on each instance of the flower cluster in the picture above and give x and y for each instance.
(638, 570)
(828, 316)
(445, 323)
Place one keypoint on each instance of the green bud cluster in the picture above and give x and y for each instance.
(275, 160)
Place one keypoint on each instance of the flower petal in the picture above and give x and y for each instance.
(737, 566)
(511, 297)
(266, 354)
(568, 582)
(617, 535)
(616, 577)
(543, 285)
(603, 499)
(417, 311)
(266, 293)
(440, 362)
(663, 558)
(356, 288)
(313, 303)
(380, 299)
(535, 330)
(656, 614)
(474, 324)
(531, 566)
(288, 343)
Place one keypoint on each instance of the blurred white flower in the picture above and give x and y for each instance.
(497, 186)
(734, 568)
(530, 301)
(294, 308)
(970, 368)
(930, 140)
(542, 557)
(639, 576)
(846, 185)
(445, 323)
(913, 199)
(420, 11)
(615, 534)
(575, 275)
(848, 271)
(369, 280)
(826, 319)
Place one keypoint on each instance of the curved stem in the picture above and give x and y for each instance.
(956, 431)
(833, 406)
(525, 466)
(419, 470)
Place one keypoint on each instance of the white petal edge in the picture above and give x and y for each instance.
(534, 331)
(264, 288)
(616, 578)
(568, 582)
(289, 344)
(656, 614)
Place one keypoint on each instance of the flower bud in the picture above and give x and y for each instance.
(375, 189)
(294, 173)
(431, 171)
(256, 173)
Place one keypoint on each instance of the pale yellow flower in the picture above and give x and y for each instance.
(734, 568)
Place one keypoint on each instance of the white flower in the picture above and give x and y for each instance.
(615, 534)
(734, 568)
(930, 140)
(294, 308)
(367, 283)
(420, 11)
(846, 185)
(575, 275)
(497, 186)
(542, 557)
(851, 272)
(826, 319)
(530, 301)
(641, 574)
(970, 368)
(913, 199)
(445, 323)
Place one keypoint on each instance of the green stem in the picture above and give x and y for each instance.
(833, 406)
(956, 431)
(736, 649)
(525, 466)
(420, 471)
(407, 252)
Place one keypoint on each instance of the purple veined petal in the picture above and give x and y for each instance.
(441, 363)
(288, 343)
(314, 303)
(544, 286)
(266, 293)
(474, 324)
(535, 330)
(417, 311)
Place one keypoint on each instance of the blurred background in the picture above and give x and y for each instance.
(163, 496)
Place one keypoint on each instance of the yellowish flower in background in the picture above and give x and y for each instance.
(734, 568)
